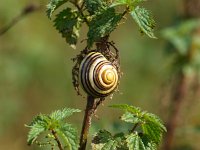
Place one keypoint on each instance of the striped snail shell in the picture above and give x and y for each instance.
(97, 76)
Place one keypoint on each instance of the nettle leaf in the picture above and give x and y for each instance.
(37, 126)
(94, 6)
(130, 118)
(34, 132)
(70, 136)
(103, 140)
(135, 142)
(102, 25)
(153, 127)
(53, 5)
(128, 108)
(68, 23)
(129, 3)
(144, 20)
(62, 114)
(54, 123)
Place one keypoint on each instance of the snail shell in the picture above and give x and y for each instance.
(97, 76)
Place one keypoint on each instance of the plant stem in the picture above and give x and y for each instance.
(27, 10)
(87, 122)
(57, 140)
(81, 11)
(177, 101)
(134, 127)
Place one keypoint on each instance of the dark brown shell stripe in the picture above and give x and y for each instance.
(92, 75)
(84, 74)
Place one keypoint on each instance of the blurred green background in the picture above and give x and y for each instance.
(35, 74)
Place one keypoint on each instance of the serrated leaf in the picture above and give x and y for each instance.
(68, 23)
(130, 118)
(95, 6)
(37, 126)
(34, 132)
(54, 122)
(70, 136)
(62, 114)
(103, 140)
(135, 142)
(153, 127)
(129, 3)
(102, 136)
(144, 20)
(53, 5)
(125, 107)
(102, 25)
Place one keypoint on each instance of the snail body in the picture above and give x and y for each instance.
(97, 76)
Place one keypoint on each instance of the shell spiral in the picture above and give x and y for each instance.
(97, 76)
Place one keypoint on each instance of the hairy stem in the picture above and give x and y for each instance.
(87, 122)
(57, 140)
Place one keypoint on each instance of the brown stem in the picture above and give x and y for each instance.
(87, 122)
(27, 10)
(177, 101)
(134, 127)
(57, 140)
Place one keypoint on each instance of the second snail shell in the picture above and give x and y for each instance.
(97, 76)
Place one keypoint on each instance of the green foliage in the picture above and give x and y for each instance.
(146, 133)
(104, 140)
(100, 16)
(180, 35)
(68, 23)
(102, 25)
(128, 3)
(184, 43)
(53, 5)
(137, 142)
(54, 124)
(144, 20)
(95, 6)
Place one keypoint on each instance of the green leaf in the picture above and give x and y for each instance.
(102, 25)
(129, 3)
(102, 136)
(37, 126)
(128, 108)
(34, 132)
(62, 114)
(70, 136)
(94, 6)
(130, 118)
(135, 142)
(53, 5)
(144, 20)
(153, 127)
(68, 23)
(54, 122)
(180, 35)
(103, 140)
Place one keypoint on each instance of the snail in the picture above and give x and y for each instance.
(97, 76)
